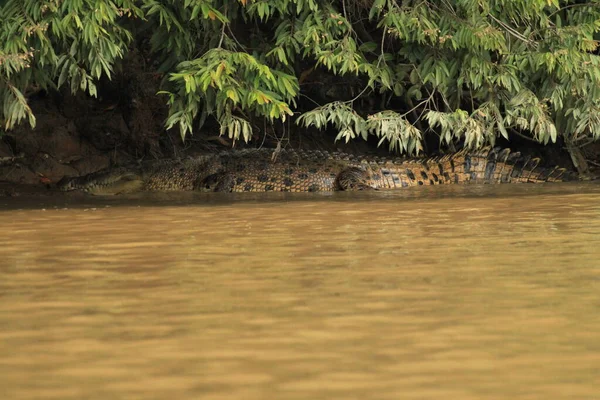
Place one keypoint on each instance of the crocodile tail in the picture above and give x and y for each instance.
(494, 165)
(513, 167)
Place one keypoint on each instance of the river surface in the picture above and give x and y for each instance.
(471, 292)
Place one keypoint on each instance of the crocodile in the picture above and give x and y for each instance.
(264, 170)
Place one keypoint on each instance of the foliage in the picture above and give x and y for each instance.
(461, 69)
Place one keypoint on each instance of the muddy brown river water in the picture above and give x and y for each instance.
(472, 292)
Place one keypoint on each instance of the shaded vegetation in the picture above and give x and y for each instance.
(461, 70)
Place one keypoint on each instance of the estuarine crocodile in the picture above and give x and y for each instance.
(263, 170)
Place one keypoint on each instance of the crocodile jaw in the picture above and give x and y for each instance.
(108, 185)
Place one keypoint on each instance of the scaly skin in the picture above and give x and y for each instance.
(322, 171)
(311, 171)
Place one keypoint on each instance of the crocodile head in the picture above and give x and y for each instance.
(115, 181)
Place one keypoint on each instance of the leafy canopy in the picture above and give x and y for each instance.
(460, 69)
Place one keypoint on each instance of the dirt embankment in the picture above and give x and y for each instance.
(77, 134)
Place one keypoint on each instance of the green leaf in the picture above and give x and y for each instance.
(368, 47)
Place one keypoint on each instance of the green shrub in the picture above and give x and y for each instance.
(462, 69)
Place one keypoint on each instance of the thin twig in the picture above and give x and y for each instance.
(222, 35)
(418, 105)
(303, 95)
(381, 58)
(587, 4)
(234, 38)
(594, 163)
(514, 32)
(590, 141)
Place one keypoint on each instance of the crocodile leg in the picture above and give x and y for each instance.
(353, 178)
(217, 182)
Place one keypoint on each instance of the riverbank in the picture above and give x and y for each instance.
(76, 135)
